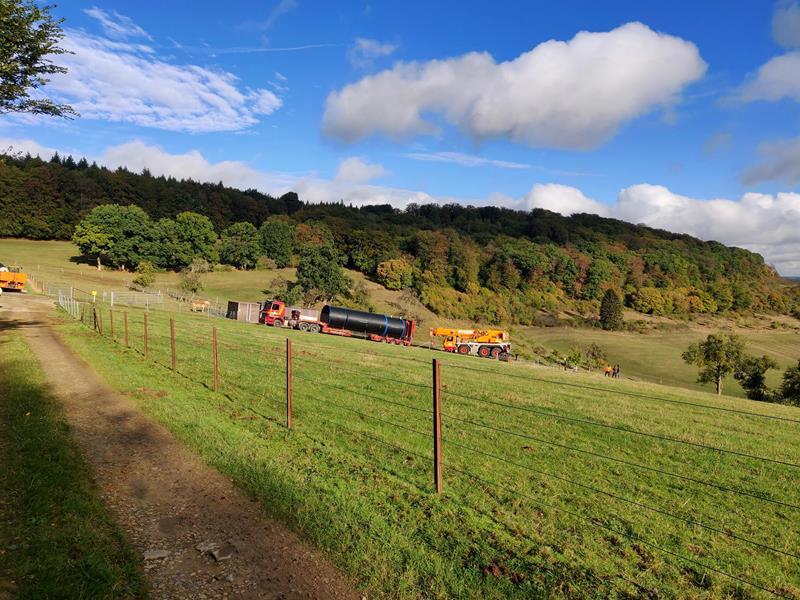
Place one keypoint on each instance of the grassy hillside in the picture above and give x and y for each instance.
(555, 484)
(652, 356)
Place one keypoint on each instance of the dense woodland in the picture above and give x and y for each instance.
(484, 264)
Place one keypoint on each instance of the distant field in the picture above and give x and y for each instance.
(653, 357)
(555, 484)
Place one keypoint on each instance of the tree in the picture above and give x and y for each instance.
(790, 388)
(320, 275)
(395, 274)
(611, 311)
(120, 235)
(92, 241)
(145, 274)
(751, 375)
(240, 245)
(29, 36)
(282, 289)
(716, 356)
(277, 240)
(187, 237)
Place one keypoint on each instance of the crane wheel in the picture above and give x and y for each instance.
(463, 349)
(484, 351)
(495, 352)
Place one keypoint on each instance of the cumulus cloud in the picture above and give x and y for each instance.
(365, 51)
(781, 162)
(116, 25)
(26, 146)
(573, 94)
(356, 170)
(117, 81)
(464, 160)
(777, 79)
(562, 199)
(786, 24)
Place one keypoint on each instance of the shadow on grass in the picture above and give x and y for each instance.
(59, 539)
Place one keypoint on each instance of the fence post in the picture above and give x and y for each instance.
(172, 340)
(437, 426)
(288, 383)
(145, 334)
(216, 358)
(111, 316)
(98, 318)
(125, 320)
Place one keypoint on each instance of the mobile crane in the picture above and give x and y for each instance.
(486, 343)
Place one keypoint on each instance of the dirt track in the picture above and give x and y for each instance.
(169, 502)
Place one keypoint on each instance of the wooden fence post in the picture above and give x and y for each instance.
(288, 383)
(172, 340)
(111, 316)
(125, 319)
(216, 358)
(98, 320)
(145, 334)
(437, 426)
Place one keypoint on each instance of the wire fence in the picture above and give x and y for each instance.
(489, 448)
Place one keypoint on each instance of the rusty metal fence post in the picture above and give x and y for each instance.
(288, 383)
(437, 426)
(125, 320)
(216, 358)
(145, 335)
(172, 340)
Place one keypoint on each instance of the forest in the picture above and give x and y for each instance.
(479, 263)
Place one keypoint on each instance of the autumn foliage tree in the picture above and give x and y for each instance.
(716, 357)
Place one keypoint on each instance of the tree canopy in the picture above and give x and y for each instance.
(716, 357)
(29, 38)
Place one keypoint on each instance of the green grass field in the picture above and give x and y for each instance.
(555, 484)
(653, 357)
(57, 539)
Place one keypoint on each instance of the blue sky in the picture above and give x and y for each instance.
(682, 115)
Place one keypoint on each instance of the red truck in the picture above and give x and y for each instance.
(338, 321)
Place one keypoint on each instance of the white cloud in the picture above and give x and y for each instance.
(781, 163)
(356, 170)
(280, 9)
(116, 81)
(364, 52)
(777, 79)
(573, 94)
(562, 199)
(32, 147)
(116, 25)
(465, 160)
(786, 24)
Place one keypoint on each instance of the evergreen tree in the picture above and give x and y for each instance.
(611, 316)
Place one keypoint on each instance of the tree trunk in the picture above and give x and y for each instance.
(719, 386)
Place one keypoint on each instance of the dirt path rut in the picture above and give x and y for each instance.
(198, 535)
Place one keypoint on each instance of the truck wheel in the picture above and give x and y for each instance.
(303, 326)
(484, 351)
(277, 323)
(315, 328)
(463, 349)
(495, 352)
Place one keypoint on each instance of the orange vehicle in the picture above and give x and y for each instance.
(12, 278)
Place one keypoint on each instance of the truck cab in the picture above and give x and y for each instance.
(273, 313)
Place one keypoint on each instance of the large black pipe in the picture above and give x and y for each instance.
(363, 322)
